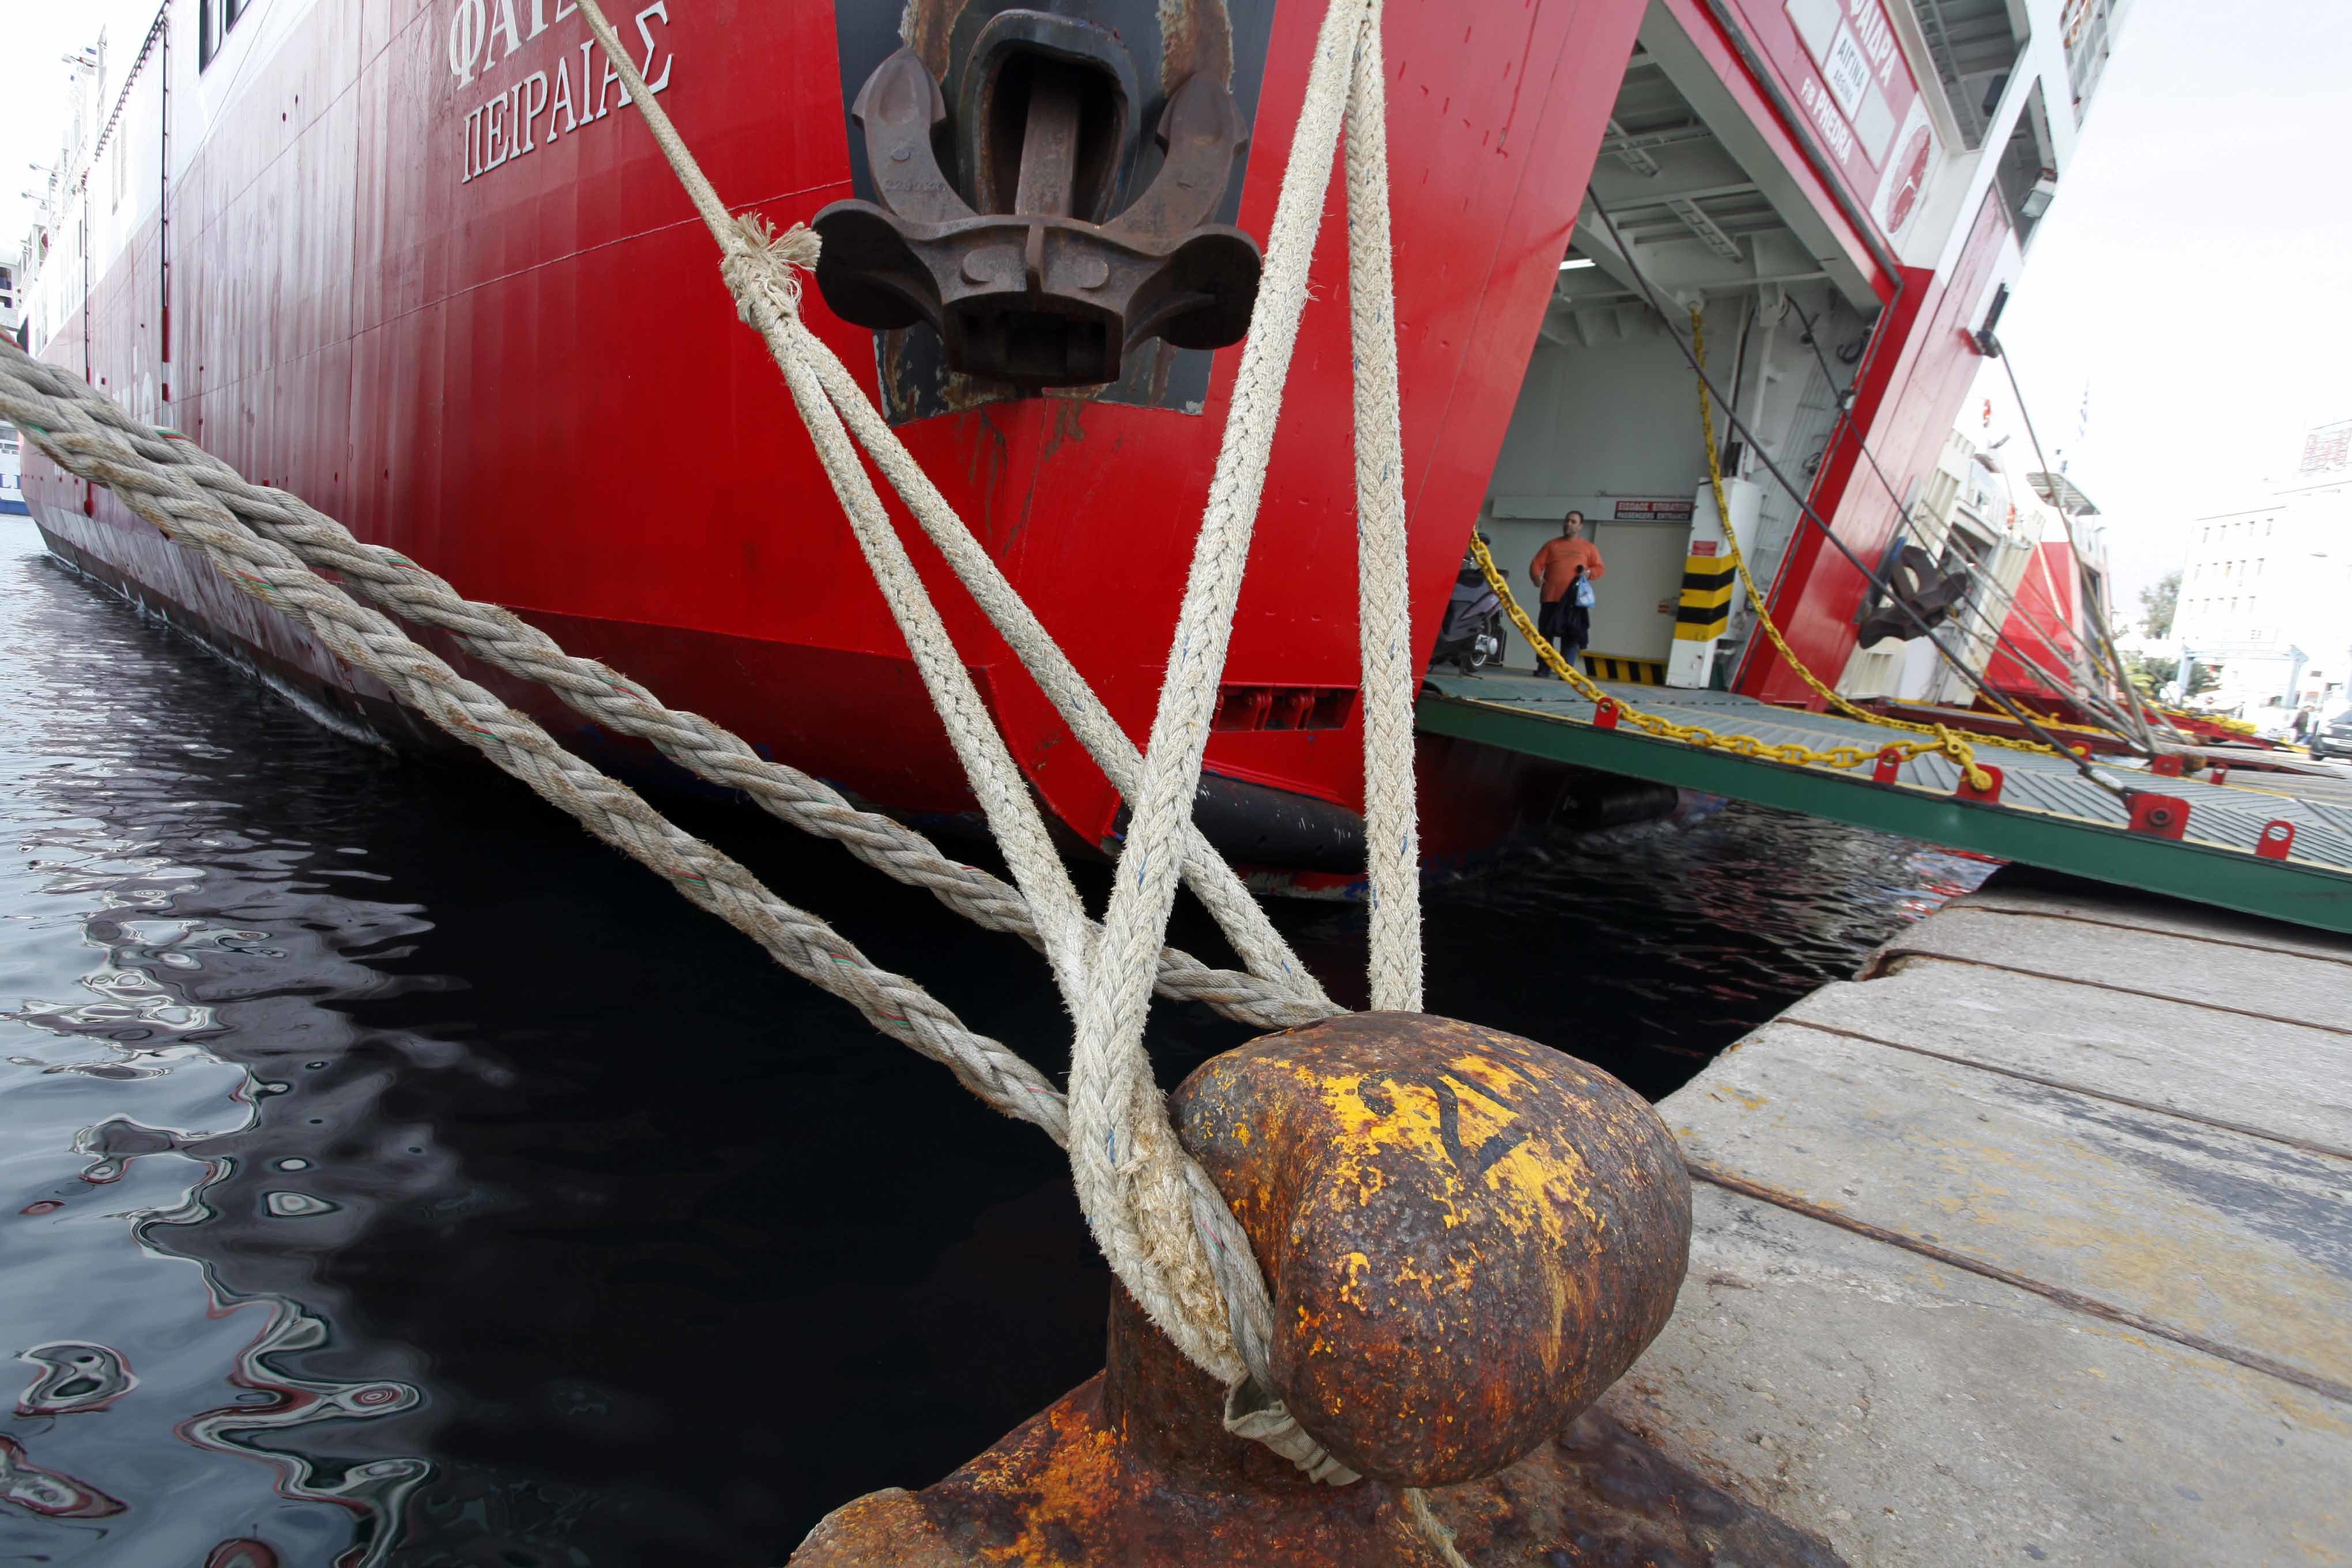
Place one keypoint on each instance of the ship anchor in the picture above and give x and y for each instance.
(1034, 281)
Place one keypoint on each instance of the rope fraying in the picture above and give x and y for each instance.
(762, 267)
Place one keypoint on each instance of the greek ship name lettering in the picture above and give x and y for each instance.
(540, 108)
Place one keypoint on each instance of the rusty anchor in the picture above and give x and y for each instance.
(1038, 285)
(1468, 1237)
(1917, 593)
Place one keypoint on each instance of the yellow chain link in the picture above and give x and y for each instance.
(2052, 721)
(2237, 726)
(1943, 742)
(1696, 735)
(1948, 743)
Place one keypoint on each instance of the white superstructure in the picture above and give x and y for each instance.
(12, 489)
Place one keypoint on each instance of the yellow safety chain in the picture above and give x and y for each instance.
(2238, 726)
(2051, 720)
(1696, 735)
(1948, 742)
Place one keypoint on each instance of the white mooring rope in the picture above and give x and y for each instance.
(1166, 1230)
(1171, 1239)
(1134, 1180)
(1384, 616)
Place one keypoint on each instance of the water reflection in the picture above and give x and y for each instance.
(75, 1378)
(123, 1116)
(391, 1175)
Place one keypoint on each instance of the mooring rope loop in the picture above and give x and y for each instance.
(1169, 1234)
(1185, 1259)
(1125, 1157)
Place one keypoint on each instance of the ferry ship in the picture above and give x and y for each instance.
(420, 262)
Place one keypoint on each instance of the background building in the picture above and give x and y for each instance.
(2266, 591)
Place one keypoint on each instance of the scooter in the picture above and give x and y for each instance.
(1470, 635)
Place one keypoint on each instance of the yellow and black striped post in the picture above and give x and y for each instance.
(1709, 581)
(1625, 671)
(1704, 612)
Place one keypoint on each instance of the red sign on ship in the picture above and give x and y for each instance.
(1842, 69)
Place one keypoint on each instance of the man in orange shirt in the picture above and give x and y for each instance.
(1559, 569)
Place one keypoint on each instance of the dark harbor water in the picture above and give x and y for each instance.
(391, 1174)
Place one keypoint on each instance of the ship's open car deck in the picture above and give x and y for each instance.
(2048, 814)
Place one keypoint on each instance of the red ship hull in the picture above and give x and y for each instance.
(518, 364)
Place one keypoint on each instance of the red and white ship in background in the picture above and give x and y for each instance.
(418, 261)
(2030, 548)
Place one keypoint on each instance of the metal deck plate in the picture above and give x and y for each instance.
(2047, 813)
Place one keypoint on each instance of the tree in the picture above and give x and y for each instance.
(2157, 603)
(2150, 674)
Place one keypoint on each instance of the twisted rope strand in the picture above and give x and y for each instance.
(503, 639)
(88, 437)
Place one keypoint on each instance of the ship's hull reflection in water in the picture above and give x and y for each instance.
(394, 1176)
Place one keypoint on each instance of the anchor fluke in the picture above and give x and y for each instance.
(1021, 267)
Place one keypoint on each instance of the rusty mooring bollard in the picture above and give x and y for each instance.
(1468, 1237)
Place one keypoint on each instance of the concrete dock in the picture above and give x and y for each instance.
(2034, 1244)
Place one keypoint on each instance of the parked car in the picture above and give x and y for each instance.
(2332, 736)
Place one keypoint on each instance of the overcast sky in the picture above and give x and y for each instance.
(2196, 268)
(2193, 272)
(35, 36)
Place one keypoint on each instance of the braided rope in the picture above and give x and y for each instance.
(1391, 677)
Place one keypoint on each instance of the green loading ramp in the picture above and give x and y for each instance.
(2047, 813)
